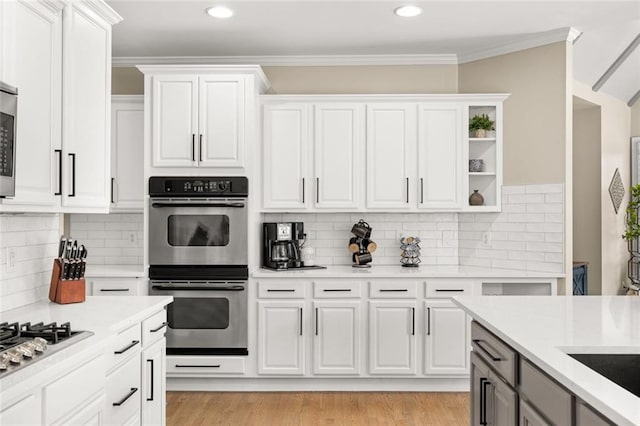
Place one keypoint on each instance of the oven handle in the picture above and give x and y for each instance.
(201, 204)
(172, 288)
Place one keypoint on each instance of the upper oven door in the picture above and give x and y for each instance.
(8, 126)
(197, 231)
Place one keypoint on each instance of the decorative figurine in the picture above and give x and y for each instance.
(410, 256)
(361, 245)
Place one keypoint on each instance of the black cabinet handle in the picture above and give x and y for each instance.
(163, 325)
(278, 290)
(59, 152)
(452, 290)
(421, 191)
(200, 148)
(151, 361)
(73, 174)
(336, 289)
(123, 400)
(123, 350)
(407, 190)
(302, 190)
(300, 321)
(193, 147)
(198, 366)
(112, 180)
(393, 290)
(483, 400)
(413, 321)
(105, 290)
(316, 321)
(485, 350)
(428, 321)
(317, 190)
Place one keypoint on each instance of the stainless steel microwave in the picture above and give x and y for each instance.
(8, 126)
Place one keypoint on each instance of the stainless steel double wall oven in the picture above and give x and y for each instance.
(198, 255)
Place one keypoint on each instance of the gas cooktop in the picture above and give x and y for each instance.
(23, 344)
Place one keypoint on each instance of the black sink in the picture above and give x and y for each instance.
(621, 369)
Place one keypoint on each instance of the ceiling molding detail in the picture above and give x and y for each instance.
(634, 99)
(293, 60)
(569, 34)
(616, 64)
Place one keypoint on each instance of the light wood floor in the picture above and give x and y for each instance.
(317, 408)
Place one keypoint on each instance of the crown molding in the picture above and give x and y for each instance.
(103, 10)
(568, 34)
(289, 61)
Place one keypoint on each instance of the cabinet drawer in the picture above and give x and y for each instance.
(494, 352)
(124, 345)
(281, 290)
(115, 287)
(336, 289)
(393, 289)
(72, 390)
(204, 365)
(154, 327)
(448, 288)
(123, 392)
(545, 394)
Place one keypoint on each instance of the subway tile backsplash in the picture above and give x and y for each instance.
(112, 239)
(34, 241)
(526, 235)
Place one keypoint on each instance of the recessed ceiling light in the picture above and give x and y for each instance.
(220, 12)
(408, 11)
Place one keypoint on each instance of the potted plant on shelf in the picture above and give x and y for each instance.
(632, 235)
(479, 125)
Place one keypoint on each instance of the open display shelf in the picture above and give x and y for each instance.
(488, 149)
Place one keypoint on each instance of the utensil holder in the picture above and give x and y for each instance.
(65, 291)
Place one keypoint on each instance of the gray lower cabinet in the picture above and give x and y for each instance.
(494, 402)
(585, 416)
(530, 417)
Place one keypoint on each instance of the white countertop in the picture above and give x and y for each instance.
(545, 328)
(115, 271)
(397, 271)
(104, 316)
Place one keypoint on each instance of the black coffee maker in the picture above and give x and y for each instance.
(281, 244)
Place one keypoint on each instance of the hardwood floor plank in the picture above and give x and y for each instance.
(317, 408)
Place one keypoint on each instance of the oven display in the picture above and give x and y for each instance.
(6, 144)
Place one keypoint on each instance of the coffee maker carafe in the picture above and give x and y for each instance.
(281, 244)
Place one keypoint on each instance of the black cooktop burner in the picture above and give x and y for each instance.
(13, 334)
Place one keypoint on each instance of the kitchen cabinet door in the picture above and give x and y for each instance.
(529, 416)
(26, 411)
(338, 154)
(174, 130)
(32, 62)
(480, 390)
(392, 348)
(281, 338)
(336, 342)
(504, 403)
(447, 339)
(221, 121)
(154, 384)
(391, 162)
(86, 113)
(127, 147)
(286, 139)
(92, 413)
(440, 156)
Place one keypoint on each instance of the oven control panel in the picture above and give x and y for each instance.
(198, 187)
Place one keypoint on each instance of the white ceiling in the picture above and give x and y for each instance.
(455, 30)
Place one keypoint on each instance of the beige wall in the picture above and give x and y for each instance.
(615, 154)
(635, 119)
(587, 203)
(331, 80)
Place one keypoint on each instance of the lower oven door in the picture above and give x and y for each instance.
(205, 317)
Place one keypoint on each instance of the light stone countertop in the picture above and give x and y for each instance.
(545, 328)
(397, 271)
(104, 316)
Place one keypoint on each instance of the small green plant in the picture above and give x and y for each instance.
(479, 122)
(633, 227)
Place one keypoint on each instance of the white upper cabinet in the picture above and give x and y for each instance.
(127, 146)
(391, 147)
(202, 116)
(286, 137)
(175, 120)
(338, 154)
(439, 155)
(221, 121)
(33, 64)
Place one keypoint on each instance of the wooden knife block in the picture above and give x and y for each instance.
(65, 291)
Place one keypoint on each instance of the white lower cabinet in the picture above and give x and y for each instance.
(336, 343)
(447, 339)
(154, 370)
(92, 413)
(25, 411)
(114, 287)
(123, 391)
(281, 338)
(392, 346)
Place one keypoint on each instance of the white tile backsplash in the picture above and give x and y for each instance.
(34, 239)
(112, 239)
